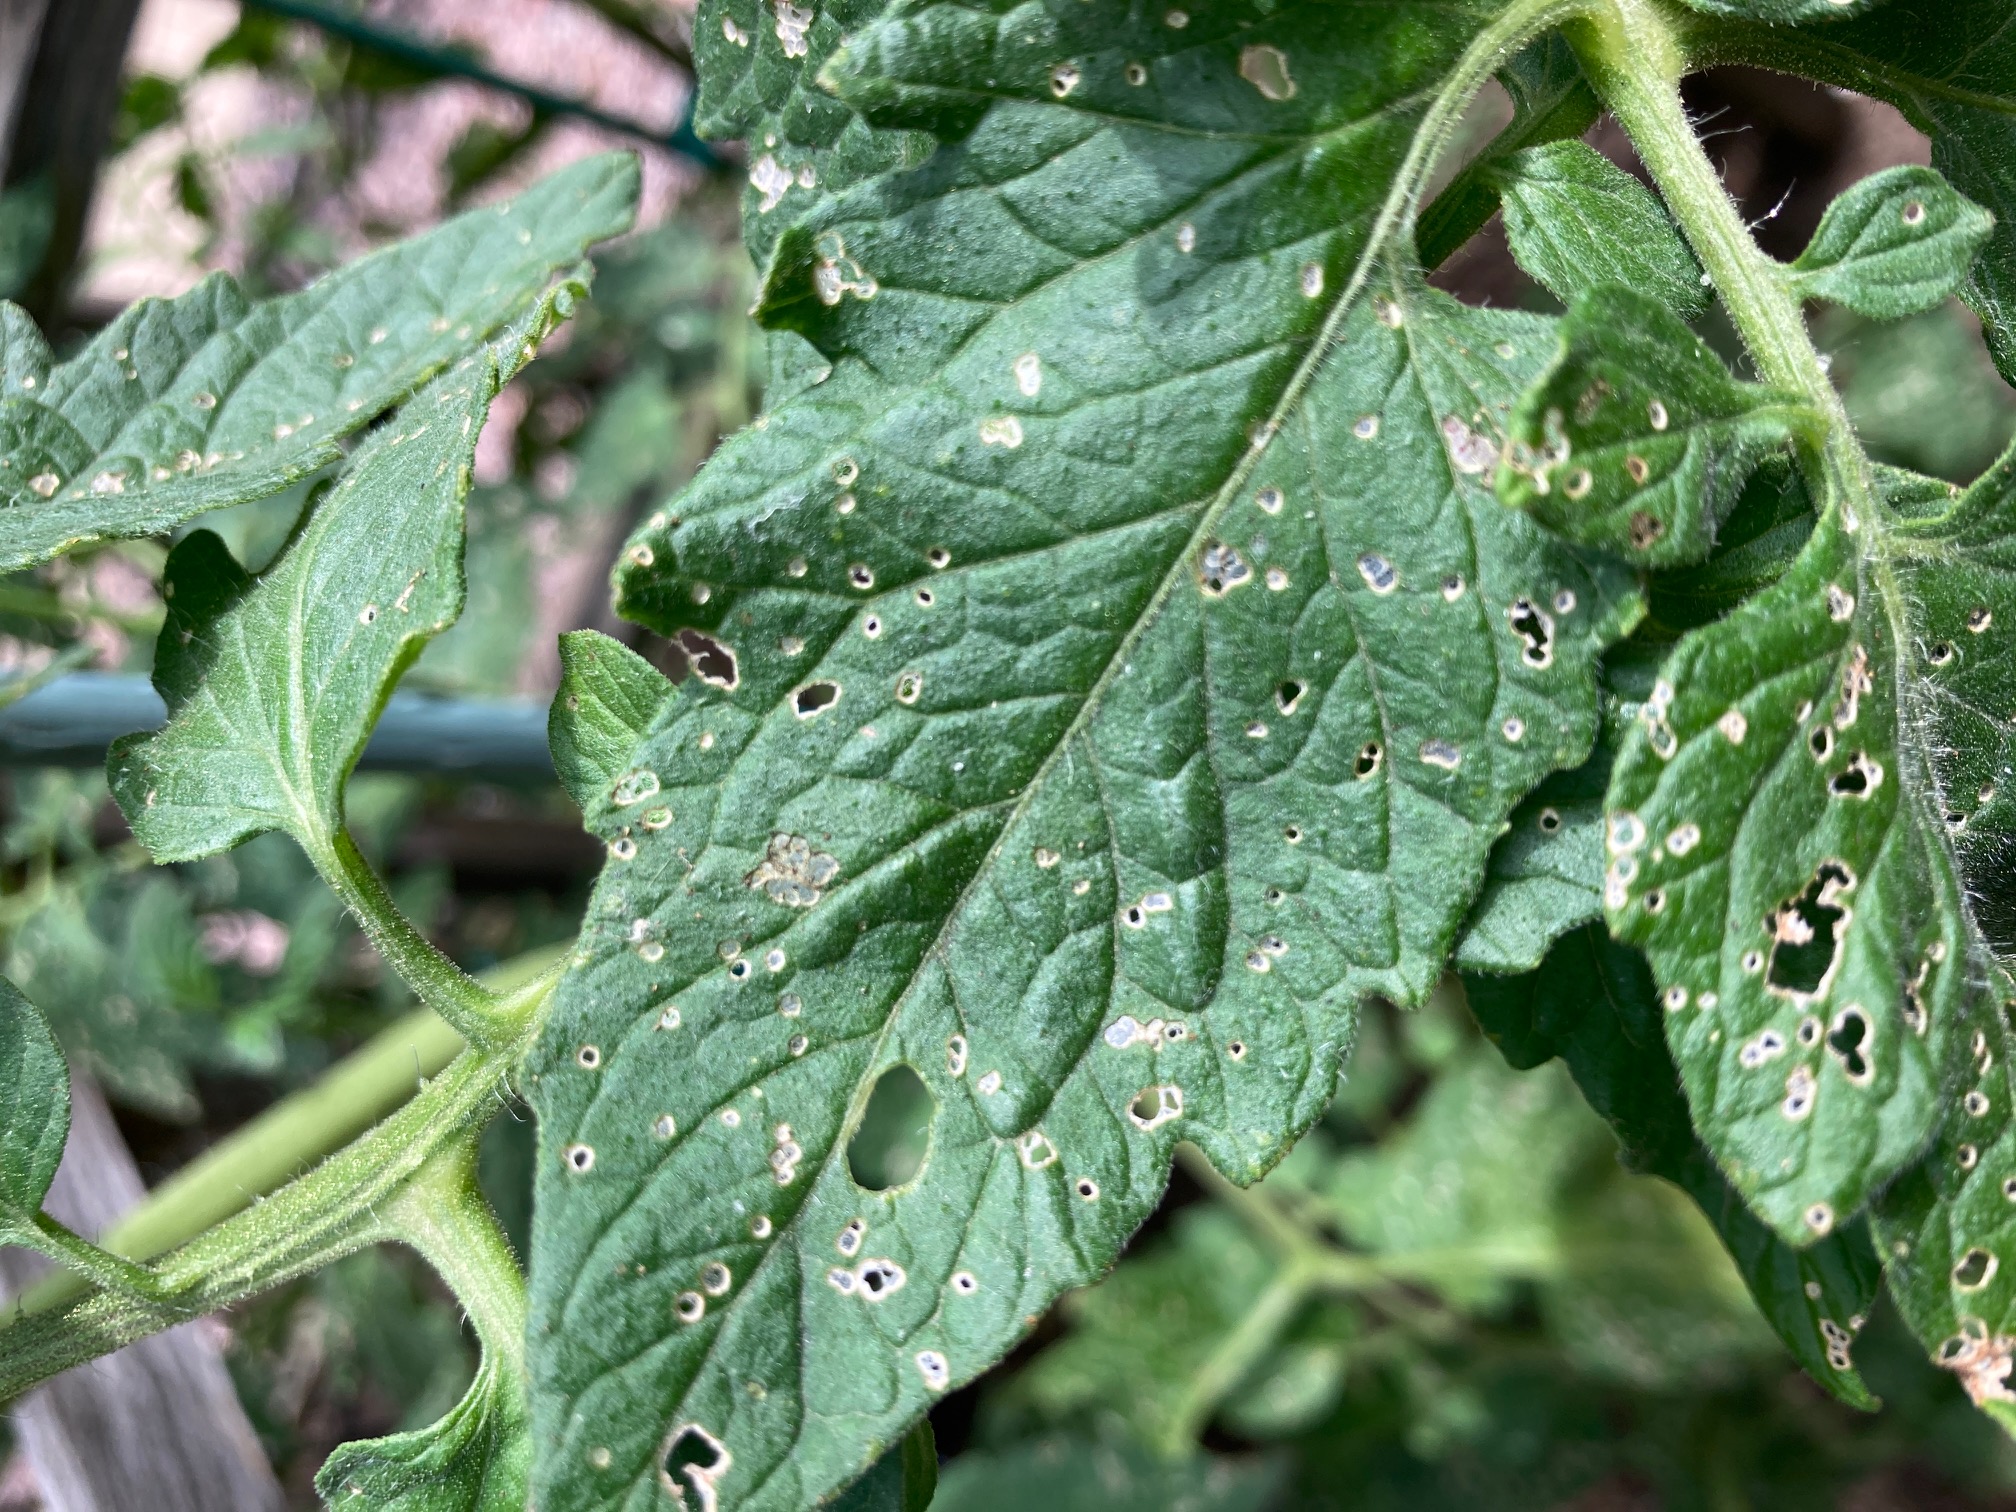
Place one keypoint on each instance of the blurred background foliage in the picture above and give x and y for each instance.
(1451, 1294)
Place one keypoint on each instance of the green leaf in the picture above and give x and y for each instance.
(191, 404)
(1593, 1004)
(1637, 438)
(1898, 242)
(273, 683)
(903, 1480)
(607, 699)
(1830, 934)
(1945, 65)
(1576, 220)
(1550, 101)
(34, 1114)
(476, 1459)
(1466, 1197)
(1141, 1340)
(1545, 876)
(1089, 749)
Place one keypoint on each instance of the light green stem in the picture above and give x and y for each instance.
(479, 1016)
(442, 1213)
(334, 1208)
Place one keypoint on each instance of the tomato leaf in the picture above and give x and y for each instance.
(1575, 220)
(1898, 242)
(1945, 65)
(607, 698)
(475, 1459)
(186, 405)
(1083, 744)
(273, 683)
(34, 1114)
(1806, 833)
(1637, 437)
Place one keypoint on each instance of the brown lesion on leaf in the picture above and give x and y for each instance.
(1981, 1360)
(792, 872)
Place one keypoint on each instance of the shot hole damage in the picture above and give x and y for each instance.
(694, 1460)
(1805, 935)
(890, 1146)
(708, 659)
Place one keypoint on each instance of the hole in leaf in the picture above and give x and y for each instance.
(1533, 626)
(895, 1134)
(1804, 943)
(813, 697)
(694, 1458)
(1856, 780)
(708, 659)
(1850, 1033)
(1973, 1269)
(1287, 696)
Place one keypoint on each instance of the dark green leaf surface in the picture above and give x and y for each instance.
(1576, 220)
(903, 1480)
(34, 1112)
(1896, 243)
(187, 405)
(1637, 438)
(476, 1459)
(1089, 748)
(607, 699)
(1948, 65)
(1545, 875)
(1593, 1004)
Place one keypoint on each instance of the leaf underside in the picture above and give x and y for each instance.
(187, 405)
(1084, 738)
(475, 1459)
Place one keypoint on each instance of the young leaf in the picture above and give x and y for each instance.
(1593, 1004)
(1551, 101)
(34, 1114)
(1945, 64)
(476, 1459)
(1637, 438)
(1576, 220)
(607, 699)
(191, 404)
(1898, 242)
(1088, 748)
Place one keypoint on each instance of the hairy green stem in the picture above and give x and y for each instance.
(331, 1211)
(300, 1130)
(1633, 53)
(483, 1018)
(442, 1213)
